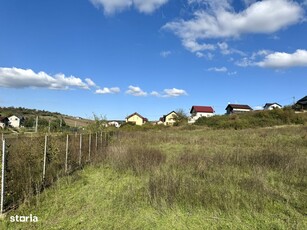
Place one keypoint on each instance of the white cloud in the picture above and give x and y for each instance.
(226, 50)
(221, 21)
(199, 54)
(90, 82)
(148, 6)
(136, 91)
(155, 93)
(216, 69)
(174, 92)
(169, 93)
(24, 78)
(144, 6)
(284, 60)
(106, 90)
(165, 53)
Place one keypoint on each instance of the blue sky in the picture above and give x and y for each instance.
(116, 57)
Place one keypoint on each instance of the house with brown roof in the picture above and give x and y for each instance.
(270, 106)
(301, 105)
(236, 108)
(200, 111)
(136, 119)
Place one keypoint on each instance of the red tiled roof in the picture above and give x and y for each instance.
(236, 106)
(202, 109)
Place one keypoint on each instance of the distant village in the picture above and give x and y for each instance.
(196, 111)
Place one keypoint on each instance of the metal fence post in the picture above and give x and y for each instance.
(45, 156)
(89, 146)
(66, 153)
(2, 176)
(80, 150)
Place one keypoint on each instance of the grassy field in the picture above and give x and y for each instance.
(183, 179)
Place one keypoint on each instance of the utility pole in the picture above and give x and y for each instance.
(293, 100)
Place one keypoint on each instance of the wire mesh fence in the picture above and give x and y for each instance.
(31, 163)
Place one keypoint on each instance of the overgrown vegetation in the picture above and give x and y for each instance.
(179, 179)
(254, 119)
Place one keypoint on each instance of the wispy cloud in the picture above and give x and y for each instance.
(216, 69)
(90, 83)
(27, 78)
(165, 53)
(136, 91)
(106, 90)
(220, 20)
(225, 50)
(144, 6)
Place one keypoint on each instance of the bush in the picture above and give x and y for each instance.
(253, 119)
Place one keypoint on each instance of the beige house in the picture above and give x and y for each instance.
(136, 119)
(170, 118)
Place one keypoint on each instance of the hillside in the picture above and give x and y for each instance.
(44, 116)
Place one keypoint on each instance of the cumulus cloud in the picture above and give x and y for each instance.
(174, 92)
(216, 69)
(106, 90)
(136, 91)
(25, 78)
(169, 93)
(285, 60)
(144, 6)
(221, 21)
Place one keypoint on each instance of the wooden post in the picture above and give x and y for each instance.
(2, 177)
(96, 144)
(80, 150)
(36, 124)
(89, 146)
(45, 156)
(101, 141)
(66, 155)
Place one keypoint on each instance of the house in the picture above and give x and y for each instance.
(235, 108)
(15, 121)
(170, 118)
(160, 121)
(200, 111)
(301, 104)
(4, 122)
(270, 106)
(136, 119)
(114, 123)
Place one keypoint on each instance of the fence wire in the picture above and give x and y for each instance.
(32, 163)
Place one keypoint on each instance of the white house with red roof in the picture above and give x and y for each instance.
(200, 111)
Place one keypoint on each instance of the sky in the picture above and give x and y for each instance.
(112, 58)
